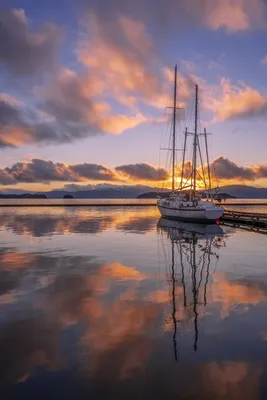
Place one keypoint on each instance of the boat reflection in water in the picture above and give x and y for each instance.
(190, 260)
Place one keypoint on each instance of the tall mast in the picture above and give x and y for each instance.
(174, 128)
(195, 144)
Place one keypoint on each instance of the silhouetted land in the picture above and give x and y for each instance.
(23, 196)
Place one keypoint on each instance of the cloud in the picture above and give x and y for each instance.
(261, 171)
(229, 170)
(69, 98)
(264, 60)
(71, 105)
(5, 97)
(46, 171)
(226, 169)
(143, 171)
(233, 16)
(25, 53)
(122, 56)
(117, 124)
(93, 172)
(173, 15)
(6, 178)
(40, 171)
(238, 102)
(122, 67)
(20, 125)
(75, 119)
(129, 61)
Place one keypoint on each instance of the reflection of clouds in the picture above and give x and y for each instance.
(114, 325)
(120, 336)
(64, 299)
(26, 343)
(231, 380)
(159, 296)
(116, 321)
(138, 225)
(15, 260)
(119, 271)
(42, 225)
(22, 273)
(48, 221)
(235, 296)
(191, 255)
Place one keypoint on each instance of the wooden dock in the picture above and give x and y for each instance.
(245, 218)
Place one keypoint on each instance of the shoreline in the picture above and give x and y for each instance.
(80, 205)
(57, 202)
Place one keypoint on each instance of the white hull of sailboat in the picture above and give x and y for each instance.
(208, 215)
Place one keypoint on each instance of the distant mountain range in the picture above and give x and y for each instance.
(245, 192)
(22, 196)
(102, 192)
(121, 192)
(231, 191)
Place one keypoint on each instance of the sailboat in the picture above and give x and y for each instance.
(188, 205)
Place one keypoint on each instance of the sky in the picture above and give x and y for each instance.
(84, 87)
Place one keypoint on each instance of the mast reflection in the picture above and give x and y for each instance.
(194, 248)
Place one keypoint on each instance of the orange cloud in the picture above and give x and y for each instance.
(15, 136)
(238, 102)
(127, 68)
(9, 99)
(123, 65)
(117, 124)
(233, 16)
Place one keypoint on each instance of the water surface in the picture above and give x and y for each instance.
(115, 303)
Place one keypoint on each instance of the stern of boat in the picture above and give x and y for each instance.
(213, 213)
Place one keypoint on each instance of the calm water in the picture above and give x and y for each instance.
(76, 202)
(115, 303)
(249, 205)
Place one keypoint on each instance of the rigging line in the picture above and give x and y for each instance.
(201, 161)
(200, 260)
(187, 257)
(207, 275)
(183, 280)
(174, 306)
(201, 179)
(202, 269)
(167, 134)
(187, 180)
(207, 155)
(158, 251)
(195, 297)
(161, 139)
